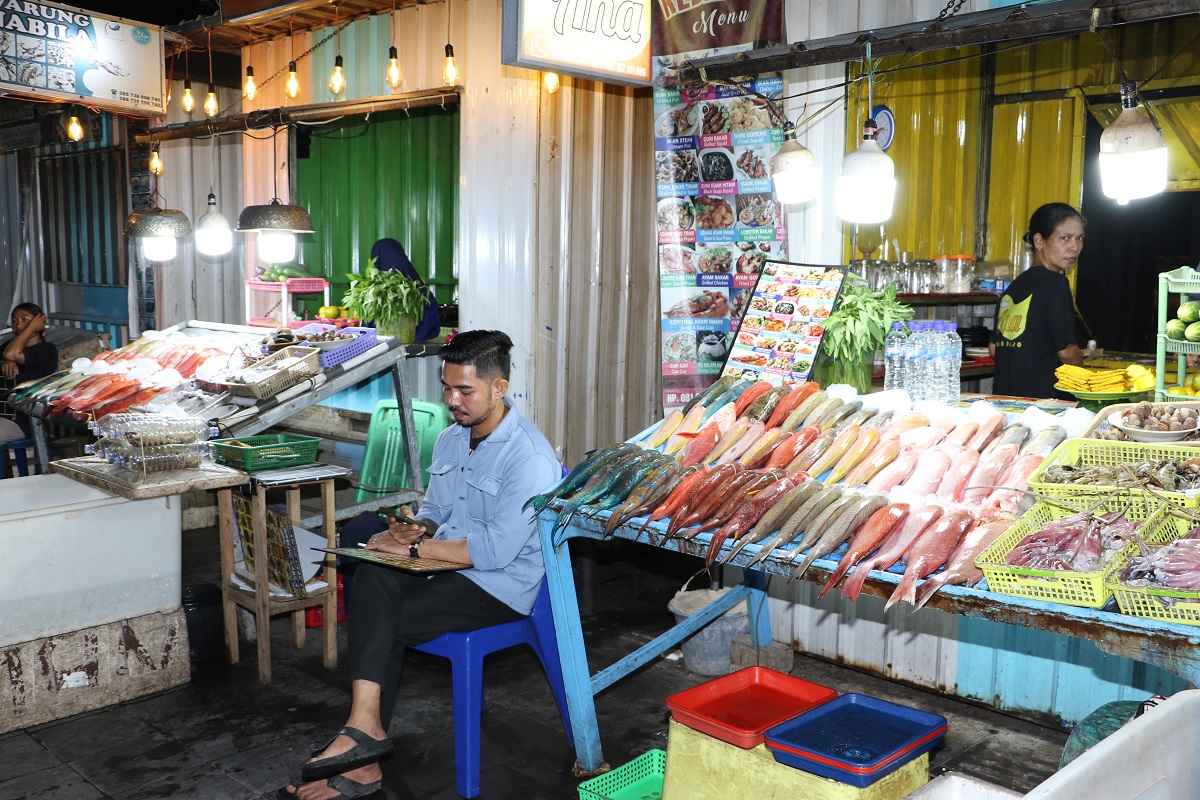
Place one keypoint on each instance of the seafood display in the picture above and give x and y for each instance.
(1158, 417)
(788, 474)
(1170, 475)
(713, 212)
(1081, 542)
(675, 213)
(752, 165)
(1173, 566)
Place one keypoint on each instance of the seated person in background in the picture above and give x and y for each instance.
(25, 357)
(484, 469)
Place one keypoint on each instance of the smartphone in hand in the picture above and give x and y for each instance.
(396, 513)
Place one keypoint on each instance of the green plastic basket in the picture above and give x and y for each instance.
(269, 451)
(640, 779)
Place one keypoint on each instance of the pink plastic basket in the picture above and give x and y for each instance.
(338, 355)
(293, 285)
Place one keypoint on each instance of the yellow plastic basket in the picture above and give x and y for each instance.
(1095, 452)
(1086, 589)
(1170, 605)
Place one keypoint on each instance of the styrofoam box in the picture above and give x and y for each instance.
(76, 557)
(953, 786)
(1151, 758)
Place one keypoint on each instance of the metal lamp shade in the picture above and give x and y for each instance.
(275, 216)
(157, 222)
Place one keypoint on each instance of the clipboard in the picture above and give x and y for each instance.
(406, 563)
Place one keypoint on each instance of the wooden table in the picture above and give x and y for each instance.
(259, 600)
(97, 472)
(1173, 647)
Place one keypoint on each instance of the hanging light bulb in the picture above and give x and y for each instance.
(293, 82)
(189, 102)
(74, 128)
(157, 230)
(214, 237)
(794, 170)
(550, 82)
(337, 78)
(450, 71)
(394, 78)
(276, 225)
(866, 189)
(251, 88)
(210, 101)
(1133, 154)
(156, 162)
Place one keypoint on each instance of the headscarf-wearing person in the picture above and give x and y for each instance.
(390, 255)
(1034, 329)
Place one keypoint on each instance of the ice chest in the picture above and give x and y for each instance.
(855, 739)
(739, 707)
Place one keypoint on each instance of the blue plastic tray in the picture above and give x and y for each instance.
(855, 739)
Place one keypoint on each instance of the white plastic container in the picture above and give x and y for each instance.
(1151, 758)
(74, 557)
(953, 786)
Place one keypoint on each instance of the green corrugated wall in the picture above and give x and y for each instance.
(397, 177)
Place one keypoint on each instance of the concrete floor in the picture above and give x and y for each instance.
(226, 736)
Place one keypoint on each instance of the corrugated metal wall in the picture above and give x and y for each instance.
(395, 176)
(195, 286)
(935, 150)
(1036, 157)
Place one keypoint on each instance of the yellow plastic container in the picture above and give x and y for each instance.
(1097, 452)
(1169, 605)
(1085, 589)
(700, 767)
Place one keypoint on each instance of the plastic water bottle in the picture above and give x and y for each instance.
(893, 357)
(912, 361)
(954, 359)
(931, 353)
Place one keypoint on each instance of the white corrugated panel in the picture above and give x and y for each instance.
(12, 244)
(195, 286)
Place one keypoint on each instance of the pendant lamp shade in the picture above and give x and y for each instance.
(794, 171)
(866, 188)
(1133, 154)
(157, 229)
(276, 225)
(214, 237)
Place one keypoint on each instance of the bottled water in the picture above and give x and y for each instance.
(893, 357)
(954, 358)
(912, 360)
(932, 358)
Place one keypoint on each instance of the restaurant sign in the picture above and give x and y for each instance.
(48, 51)
(604, 40)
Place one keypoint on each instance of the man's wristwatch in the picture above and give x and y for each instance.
(413, 552)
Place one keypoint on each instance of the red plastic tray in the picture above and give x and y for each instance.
(739, 707)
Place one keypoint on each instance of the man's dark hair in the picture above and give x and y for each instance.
(32, 308)
(488, 351)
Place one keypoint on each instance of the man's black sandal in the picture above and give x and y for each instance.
(365, 751)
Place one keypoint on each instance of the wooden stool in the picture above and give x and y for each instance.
(259, 600)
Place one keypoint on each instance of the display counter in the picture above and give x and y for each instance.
(1173, 647)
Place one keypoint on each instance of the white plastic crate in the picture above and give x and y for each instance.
(1151, 758)
(953, 786)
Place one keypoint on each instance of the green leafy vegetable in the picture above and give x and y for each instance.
(861, 320)
(385, 298)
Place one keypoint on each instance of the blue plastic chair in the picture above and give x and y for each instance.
(466, 652)
(17, 446)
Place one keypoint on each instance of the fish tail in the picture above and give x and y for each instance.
(800, 570)
(837, 575)
(853, 586)
(928, 589)
(904, 590)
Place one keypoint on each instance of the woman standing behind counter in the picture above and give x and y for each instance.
(1034, 330)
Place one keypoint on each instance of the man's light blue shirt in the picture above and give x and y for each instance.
(478, 496)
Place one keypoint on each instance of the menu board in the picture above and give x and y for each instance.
(781, 332)
(718, 222)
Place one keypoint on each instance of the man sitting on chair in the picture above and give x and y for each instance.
(484, 469)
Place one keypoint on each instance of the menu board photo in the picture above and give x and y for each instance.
(781, 332)
(717, 220)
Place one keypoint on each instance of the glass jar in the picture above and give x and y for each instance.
(957, 272)
(928, 277)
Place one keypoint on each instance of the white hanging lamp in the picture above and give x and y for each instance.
(275, 223)
(214, 237)
(1133, 154)
(866, 187)
(794, 170)
(157, 231)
